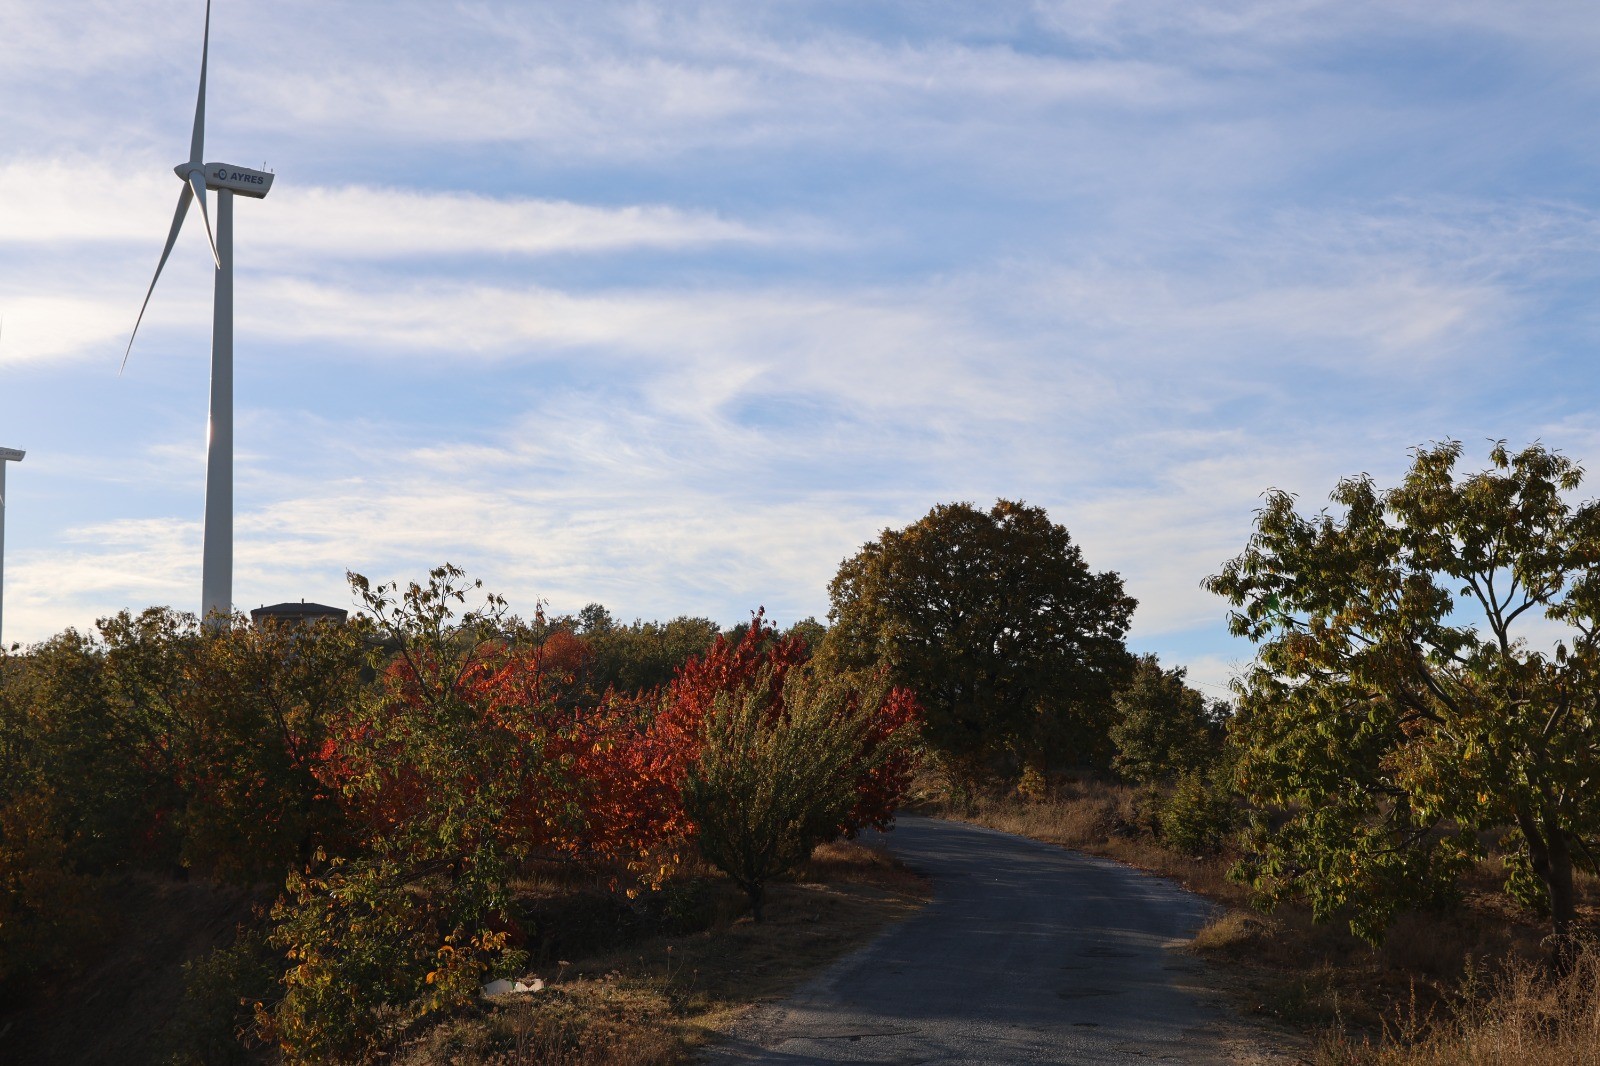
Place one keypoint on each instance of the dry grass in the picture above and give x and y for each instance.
(846, 862)
(652, 1002)
(1520, 1017)
(1231, 931)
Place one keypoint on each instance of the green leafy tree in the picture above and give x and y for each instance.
(644, 656)
(628, 659)
(594, 620)
(1163, 728)
(262, 704)
(809, 630)
(98, 763)
(89, 767)
(1199, 812)
(171, 742)
(1399, 703)
(1013, 645)
(147, 663)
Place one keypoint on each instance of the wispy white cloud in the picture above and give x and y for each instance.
(670, 80)
(44, 203)
(98, 570)
(732, 287)
(1253, 29)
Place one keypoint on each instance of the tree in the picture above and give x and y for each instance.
(1163, 728)
(446, 786)
(762, 660)
(1010, 641)
(50, 912)
(594, 620)
(1399, 703)
(810, 631)
(263, 701)
(104, 752)
(645, 655)
(1168, 738)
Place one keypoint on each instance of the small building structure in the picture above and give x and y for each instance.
(297, 614)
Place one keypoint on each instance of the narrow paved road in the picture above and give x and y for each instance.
(1028, 954)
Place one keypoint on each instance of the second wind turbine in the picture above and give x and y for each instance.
(216, 578)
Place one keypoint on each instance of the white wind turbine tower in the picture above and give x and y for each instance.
(216, 579)
(7, 455)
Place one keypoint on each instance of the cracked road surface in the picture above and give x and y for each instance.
(1029, 953)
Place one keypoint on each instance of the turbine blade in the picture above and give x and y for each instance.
(172, 238)
(197, 142)
(197, 182)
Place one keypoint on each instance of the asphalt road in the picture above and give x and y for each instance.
(1029, 953)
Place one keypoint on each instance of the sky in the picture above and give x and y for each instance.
(673, 306)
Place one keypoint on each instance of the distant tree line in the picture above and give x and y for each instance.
(393, 775)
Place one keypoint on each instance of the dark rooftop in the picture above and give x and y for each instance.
(298, 613)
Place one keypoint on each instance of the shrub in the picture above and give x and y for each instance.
(442, 777)
(216, 1019)
(366, 942)
(259, 708)
(779, 772)
(48, 911)
(1198, 816)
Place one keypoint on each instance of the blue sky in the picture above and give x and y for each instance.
(672, 306)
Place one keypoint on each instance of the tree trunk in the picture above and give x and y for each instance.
(757, 893)
(1550, 855)
(1563, 902)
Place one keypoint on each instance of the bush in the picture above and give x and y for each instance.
(48, 911)
(368, 944)
(216, 1020)
(435, 773)
(777, 777)
(1198, 816)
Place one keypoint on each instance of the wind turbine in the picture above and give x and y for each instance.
(216, 578)
(7, 455)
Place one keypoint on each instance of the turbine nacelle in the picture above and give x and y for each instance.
(11, 455)
(242, 180)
